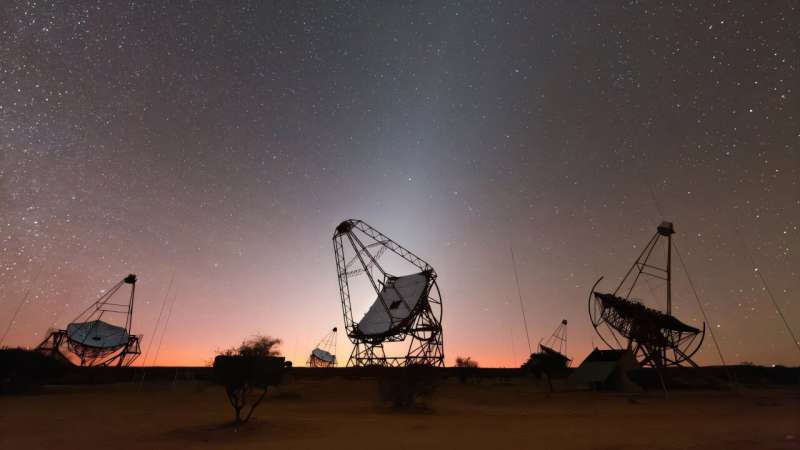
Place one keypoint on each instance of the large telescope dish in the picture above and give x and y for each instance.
(407, 304)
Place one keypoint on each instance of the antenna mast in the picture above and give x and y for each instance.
(519, 293)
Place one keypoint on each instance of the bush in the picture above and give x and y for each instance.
(467, 363)
(26, 371)
(466, 368)
(406, 387)
(547, 364)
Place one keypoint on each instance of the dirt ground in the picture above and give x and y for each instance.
(340, 413)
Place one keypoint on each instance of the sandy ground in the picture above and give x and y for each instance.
(345, 414)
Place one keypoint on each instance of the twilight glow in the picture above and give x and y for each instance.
(219, 148)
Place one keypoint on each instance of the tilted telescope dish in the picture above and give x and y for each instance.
(406, 307)
(656, 338)
(551, 356)
(100, 335)
(553, 351)
(324, 354)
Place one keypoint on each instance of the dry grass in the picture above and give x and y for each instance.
(346, 414)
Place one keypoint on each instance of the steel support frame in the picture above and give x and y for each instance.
(426, 344)
(58, 344)
(651, 345)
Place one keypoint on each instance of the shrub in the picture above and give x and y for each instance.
(406, 387)
(467, 363)
(25, 371)
(466, 368)
(252, 366)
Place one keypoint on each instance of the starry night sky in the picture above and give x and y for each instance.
(222, 144)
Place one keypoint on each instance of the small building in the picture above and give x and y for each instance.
(606, 370)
